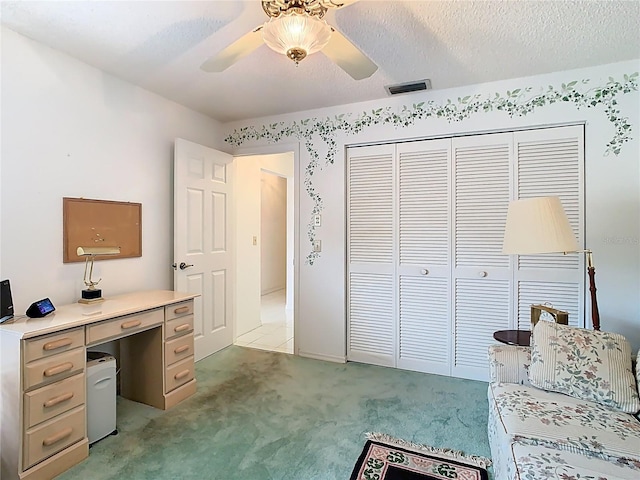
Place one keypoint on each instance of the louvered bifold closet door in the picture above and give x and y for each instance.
(481, 274)
(424, 272)
(550, 162)
(371, 319)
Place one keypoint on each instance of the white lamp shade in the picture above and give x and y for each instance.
(538, 225)
(294, 30)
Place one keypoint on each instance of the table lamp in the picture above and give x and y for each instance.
(540, 225)
(92, 294)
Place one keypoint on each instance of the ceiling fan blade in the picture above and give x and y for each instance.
(234, 52)
(347, 56)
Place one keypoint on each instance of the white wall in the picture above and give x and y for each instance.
(612, 194)
(273, 232)
(71, 130)
(247, 192)
(291, 235)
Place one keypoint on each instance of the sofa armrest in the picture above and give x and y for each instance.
(509, 364)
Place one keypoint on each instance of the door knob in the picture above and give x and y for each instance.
(182, 265)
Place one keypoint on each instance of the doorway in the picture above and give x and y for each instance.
(265, 255)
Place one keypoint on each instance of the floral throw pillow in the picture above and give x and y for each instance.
(585, 364)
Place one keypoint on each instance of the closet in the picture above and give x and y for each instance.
(427, 284)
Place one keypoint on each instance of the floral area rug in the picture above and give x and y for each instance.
(388, 458)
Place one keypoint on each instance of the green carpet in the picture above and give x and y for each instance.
(263, 415)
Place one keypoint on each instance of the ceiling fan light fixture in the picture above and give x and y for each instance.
(296, 35)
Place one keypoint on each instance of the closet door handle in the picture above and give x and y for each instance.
(58, 437)
(424, 271)
(59, 399)
(63, 367)
(482, 274)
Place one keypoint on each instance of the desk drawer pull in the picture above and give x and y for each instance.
(181, 349)
(63, 342)
(63, 367)
(59, 399)
(179, 310)
(57, 437)
(181, 374)
(131, 324)
(182, 328)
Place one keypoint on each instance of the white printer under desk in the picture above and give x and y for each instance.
(101, 395)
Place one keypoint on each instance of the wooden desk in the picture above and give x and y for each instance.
(43, 373)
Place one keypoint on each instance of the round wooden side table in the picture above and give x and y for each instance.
(513, 337)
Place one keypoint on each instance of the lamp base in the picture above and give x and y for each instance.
(91, 296)
(90, 302)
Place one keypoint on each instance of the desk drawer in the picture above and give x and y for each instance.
(178, 310)
(177, 349)
(123, 326)
(178, 326)
(57, 367)
(53, 436)
(47, 402)
(48, 345)
(179, 373)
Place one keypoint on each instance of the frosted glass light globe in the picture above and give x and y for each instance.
(296, 35)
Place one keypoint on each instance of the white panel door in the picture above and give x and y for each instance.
(424, 271)
(371, 317)
(551, 162)
(202, 241)
(481, 274)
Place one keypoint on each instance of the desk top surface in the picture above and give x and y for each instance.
(77, 314)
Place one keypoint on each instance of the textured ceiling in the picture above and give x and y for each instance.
(160, 46)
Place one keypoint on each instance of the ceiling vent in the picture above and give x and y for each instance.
(409, 87)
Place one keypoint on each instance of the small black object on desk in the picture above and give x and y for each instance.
(40, 308)
(514, 337)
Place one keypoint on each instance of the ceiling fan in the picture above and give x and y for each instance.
(296, 28)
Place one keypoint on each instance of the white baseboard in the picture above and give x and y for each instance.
(326, 358)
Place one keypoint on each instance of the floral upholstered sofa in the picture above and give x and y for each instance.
(565, 408)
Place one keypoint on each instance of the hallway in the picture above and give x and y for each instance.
(276, 332)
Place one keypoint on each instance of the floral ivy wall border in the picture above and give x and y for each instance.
(515, 103)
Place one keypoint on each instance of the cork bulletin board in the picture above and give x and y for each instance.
(101, 223)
